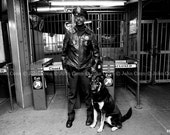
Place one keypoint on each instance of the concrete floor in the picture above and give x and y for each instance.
(152, 119)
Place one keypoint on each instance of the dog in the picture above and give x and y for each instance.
(104, 104)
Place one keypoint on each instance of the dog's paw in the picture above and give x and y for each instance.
(100, 130)
(93, 125)
(114, 128)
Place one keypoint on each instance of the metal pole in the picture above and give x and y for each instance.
(8, 67)
(29, 32)
(138, 52)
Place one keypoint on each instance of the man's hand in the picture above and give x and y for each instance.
(63, 61)
(93, 69)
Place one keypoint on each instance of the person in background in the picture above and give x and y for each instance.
(79, 55)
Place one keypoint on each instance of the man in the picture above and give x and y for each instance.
(80, 53)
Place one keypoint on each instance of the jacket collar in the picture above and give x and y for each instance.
(87, 30)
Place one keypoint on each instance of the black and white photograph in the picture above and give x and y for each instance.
(85, 67)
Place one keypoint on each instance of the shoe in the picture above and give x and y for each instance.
(89, 121)
(69, 123)
(70, 120)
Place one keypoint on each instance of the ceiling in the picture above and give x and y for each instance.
(36, 5)
(150, 7)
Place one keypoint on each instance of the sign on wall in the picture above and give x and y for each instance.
(2, 53)
(133, 26)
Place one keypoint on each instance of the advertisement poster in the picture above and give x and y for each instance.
(2, 54)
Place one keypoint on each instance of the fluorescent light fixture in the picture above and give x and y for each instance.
(45, 9)
(87, 3)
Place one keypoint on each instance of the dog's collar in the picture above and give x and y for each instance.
(99, 100)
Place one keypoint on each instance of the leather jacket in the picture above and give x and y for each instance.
(79, 52)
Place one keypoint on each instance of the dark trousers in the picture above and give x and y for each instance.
(78, 80)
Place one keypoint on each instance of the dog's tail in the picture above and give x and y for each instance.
(127, 115)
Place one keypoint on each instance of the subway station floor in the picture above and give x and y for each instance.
(152, 119)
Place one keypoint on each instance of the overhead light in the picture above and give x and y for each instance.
(33, 0)
(86, 3)
(45, 9)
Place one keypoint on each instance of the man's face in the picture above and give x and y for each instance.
(79, 19)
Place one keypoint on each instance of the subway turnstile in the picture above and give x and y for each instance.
(39, 83)
(110, 68)
(109, 72)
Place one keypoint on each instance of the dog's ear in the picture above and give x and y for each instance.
(89, 73)
(101, 77)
